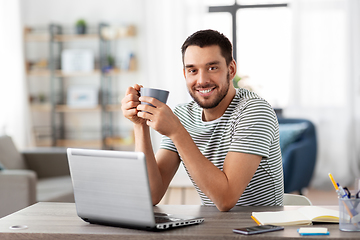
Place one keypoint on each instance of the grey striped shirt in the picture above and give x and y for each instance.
(249, 125)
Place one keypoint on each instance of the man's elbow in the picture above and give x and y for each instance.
(225, 206)
(155, 200)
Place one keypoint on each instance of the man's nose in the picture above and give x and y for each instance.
(203, 77)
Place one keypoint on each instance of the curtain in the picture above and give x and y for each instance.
(354, 29)
(322, 84)
(166, 28)
(167, 25)
(14, 118)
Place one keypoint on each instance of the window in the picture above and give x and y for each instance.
(263, 42)
(264, 51)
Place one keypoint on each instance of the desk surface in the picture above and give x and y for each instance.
(60, 221)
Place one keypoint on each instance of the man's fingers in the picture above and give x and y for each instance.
(144, 114)
(129, 90)
(137, 87)
(132, 112)
(130, 105)
(133, 90)
(131, 96)
(146, 108)
(152, 101)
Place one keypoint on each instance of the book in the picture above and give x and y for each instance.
(311, 231)
(302, 216)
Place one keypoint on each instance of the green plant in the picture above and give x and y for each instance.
(81, 26)
(236, 80)
(81, 22)
(42, 97)
(111, 60)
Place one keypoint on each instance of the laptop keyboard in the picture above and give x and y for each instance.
(160, 219)
(165, 221)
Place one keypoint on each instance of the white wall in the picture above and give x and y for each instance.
(323, 84)
(160, 34)
(163, 26)
(41, 12)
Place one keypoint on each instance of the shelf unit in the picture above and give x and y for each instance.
(57, 110)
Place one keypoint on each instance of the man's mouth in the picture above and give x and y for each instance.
(205, 91)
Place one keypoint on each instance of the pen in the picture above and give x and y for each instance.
(342, 192)
(336, 186)
(348, 205)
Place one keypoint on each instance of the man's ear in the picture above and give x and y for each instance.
(232, 69)
(184, 73)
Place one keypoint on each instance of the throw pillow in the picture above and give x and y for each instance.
(290, 132)
(1, 167)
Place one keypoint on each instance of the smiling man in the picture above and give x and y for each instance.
(227, 138)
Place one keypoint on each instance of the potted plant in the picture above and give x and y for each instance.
(110, 64)
(236, 81)
(111, 61)
(81, 26)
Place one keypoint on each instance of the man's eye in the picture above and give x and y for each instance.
(192, 71)
(212, 68)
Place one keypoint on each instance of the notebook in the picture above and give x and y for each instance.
(302, 216)
(112, 188)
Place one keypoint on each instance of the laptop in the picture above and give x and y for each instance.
(112, 188)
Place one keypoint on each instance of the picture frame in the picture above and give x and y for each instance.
(77, 60)
(82, 97)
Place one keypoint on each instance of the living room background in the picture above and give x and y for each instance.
(315, 50)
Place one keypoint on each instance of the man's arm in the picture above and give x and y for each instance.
(161, 169)
(225, 187)
(161, 174)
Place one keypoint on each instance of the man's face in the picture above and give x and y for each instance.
(207, 75)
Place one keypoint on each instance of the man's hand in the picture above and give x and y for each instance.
(159, 116)
(129, 104)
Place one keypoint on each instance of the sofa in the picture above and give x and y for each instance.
(298, 144)
(33, 175)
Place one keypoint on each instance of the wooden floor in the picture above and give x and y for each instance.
(320, 197)
(181, 196)
(189, 196)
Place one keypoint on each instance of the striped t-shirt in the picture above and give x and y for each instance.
(249, 125)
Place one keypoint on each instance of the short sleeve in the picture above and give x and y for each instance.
(254, 128)
(167, 143)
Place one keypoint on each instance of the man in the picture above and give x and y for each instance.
(227, 138)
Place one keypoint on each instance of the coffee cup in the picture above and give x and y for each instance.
(159, 94)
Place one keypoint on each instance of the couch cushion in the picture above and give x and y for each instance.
(56, 189)
(1, 167)
(10, 157)
(290, 132)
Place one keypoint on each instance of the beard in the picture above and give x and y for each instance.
(217, 99)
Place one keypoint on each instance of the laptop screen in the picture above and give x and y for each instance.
(111, 187)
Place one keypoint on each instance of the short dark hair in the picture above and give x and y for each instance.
(205, 38)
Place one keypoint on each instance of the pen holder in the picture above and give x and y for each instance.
(349, 214)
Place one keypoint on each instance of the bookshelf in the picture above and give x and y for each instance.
(53, 116)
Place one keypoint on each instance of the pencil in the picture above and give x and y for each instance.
(253, 218)
(333, 182)
(337, 190)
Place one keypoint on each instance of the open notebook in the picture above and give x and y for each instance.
(302, 216)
